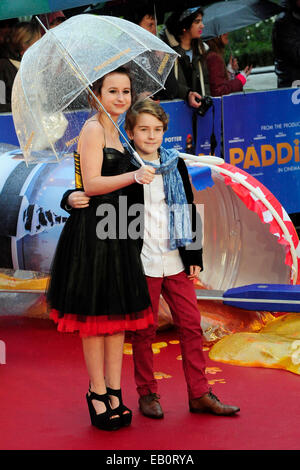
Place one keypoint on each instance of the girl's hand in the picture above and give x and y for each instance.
(144, 175)
(234, 63)
(78, 200)
(194, 272)
(247, 70)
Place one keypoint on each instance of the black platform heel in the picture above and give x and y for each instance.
(106, 421)
(122, 410)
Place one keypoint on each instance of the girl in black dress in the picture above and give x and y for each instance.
(97, 284)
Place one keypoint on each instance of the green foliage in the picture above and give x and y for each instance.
(253, 44)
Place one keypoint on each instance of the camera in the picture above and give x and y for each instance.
(206, 103)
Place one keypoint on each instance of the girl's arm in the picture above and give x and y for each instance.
(219, 83)
(91, 159)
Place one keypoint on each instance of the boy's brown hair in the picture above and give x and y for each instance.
(145, 106)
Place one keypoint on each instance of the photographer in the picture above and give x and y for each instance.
(182, 33)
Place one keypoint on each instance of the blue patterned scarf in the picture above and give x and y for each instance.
(180, 231)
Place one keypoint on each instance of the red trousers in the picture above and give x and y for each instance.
(179, 293)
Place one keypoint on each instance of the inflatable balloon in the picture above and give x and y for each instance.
(247, 238)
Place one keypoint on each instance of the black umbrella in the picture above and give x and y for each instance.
(224, 17)
(131, 9)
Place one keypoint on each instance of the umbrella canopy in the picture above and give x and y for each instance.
(16, 8)
(224, 17)
(57, 71)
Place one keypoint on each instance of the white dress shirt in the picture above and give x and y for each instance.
(157, 258)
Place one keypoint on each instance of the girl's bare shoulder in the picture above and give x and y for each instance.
(92, 126)
(92, 131)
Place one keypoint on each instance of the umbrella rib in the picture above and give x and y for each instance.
(66, 54)
(34, 118)
(133, 37)
(143, 44)
(153, 77)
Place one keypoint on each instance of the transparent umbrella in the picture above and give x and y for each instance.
(56, 74)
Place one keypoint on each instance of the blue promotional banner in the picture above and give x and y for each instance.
(7, 130)
(262, 136)
(179, 133)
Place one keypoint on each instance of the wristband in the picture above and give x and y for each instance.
(241, 77)
(136, 179)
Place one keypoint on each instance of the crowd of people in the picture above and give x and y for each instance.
(200, 69)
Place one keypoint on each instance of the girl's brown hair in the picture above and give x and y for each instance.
(146, 106)
(216, 45)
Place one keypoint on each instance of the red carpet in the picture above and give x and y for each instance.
(43, 386)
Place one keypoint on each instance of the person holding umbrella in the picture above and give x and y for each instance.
(220, 81)
(222, 18)
(97, 284)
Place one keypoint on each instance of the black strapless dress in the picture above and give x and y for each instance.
(97, 286)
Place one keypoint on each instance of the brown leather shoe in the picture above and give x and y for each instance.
(150, 406)
(209, 403)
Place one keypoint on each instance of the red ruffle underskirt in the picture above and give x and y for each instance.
(94, 326)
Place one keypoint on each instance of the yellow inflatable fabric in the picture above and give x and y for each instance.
(276, 345)
(9, 282)
(217, 319)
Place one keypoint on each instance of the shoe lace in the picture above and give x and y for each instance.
(153, 397)
(214, 397)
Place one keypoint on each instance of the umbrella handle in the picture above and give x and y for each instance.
(138, 158)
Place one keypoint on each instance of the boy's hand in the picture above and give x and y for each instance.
(78, 200)
(194, 272)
